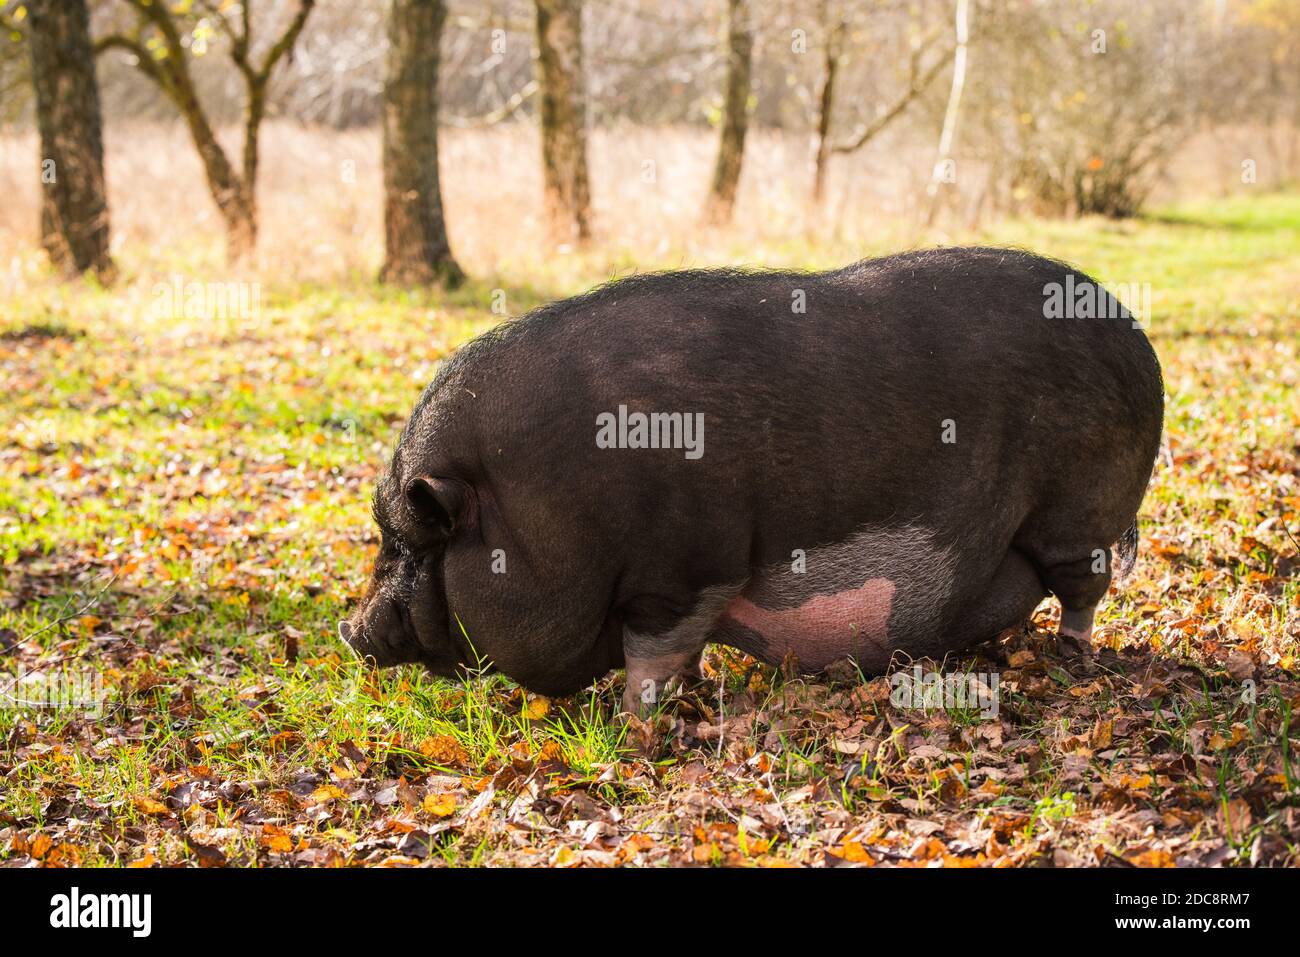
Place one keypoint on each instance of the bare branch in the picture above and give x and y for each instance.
(9, 24)
(143, 60)
(287, 39)
(503, 112)
(238, 39)
(917, 83)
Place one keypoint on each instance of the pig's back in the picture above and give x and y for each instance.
(821, 383)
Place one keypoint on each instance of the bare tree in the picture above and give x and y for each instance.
(162, 42)
(567, 194)
(15, 63)
(415, 232)
(962, 29)
(919, 77)
(735, 113)
(74, 208)
(826, 100)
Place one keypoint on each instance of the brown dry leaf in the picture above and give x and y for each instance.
(1156, 857)
(1218, 742)
(1240, 665)
(208, 856)
(640, 734)
(1165, 549)
(147, 805)
(553, 751)
(1102, 735)
(634, 844)
(444, 749)
(276, 838)
(439, 805)
(853, 852)
(1235, 817)
(39, 846)
(1134, 782)
(63, 855)
(1085, 691)
(283, 741)
(705, 853)
(326, 793)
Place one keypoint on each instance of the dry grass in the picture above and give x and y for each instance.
(321, 215)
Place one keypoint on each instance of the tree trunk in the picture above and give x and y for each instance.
(228, 189)
(415, 232)
(825, 105)
(254, 113)
(735, 113)
(74, 208)
(567, 196)
(951, 113)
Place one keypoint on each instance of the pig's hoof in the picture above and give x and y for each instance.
(634, 706)
(1074, 634)
(1073, 646)
(642, 696)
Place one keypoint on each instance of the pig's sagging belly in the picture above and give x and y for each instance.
(879, 591)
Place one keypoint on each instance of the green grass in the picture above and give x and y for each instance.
(184, 513)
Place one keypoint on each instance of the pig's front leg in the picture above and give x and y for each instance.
(651, 669)
(660, 646)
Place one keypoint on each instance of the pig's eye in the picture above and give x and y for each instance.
(390, 549)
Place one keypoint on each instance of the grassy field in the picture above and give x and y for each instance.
(184, 516)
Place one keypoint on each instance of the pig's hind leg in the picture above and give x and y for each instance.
(1007, 601)
(660, 647)
(1079, 583)
(1073, 560)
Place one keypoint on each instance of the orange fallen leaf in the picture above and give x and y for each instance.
(283, 741)
(444, 749)
(853, 852)
(564, 857)
(63, 855)
(328, 792)
(439, 805)
(147, 805)
(1102, 734)
(1151, 858)
(276, 838)
(39, 846)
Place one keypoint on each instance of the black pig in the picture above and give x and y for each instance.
(905, 455)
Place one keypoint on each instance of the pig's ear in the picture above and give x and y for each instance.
(435, 502)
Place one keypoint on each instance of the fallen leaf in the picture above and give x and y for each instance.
(147, 805)
(439, 805)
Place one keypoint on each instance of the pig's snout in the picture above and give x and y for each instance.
(377, 632)
(350, 635)
(345, 634)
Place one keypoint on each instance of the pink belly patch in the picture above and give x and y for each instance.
(824, 627)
